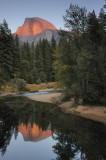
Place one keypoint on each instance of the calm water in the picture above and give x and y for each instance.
(33, 93)
(32, 130)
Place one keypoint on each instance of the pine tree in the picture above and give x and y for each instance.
(33, 56)
(52, 52)
(17, 55)
(102, 18)
(47, 59)
(95, 59)
(6, 51)
(39, 60)
(76, 19)
(81, 58)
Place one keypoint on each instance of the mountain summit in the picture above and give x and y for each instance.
(34, 26)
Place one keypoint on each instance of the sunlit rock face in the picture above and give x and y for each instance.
(33, 133)
(33, 27)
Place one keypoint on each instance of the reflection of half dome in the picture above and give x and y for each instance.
(33, 132)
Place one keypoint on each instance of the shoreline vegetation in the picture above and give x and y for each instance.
(96, 113)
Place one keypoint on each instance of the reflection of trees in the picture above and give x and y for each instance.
(79, 138)
(14, 111)
(73, 135)
(65, 148)
(8, 123)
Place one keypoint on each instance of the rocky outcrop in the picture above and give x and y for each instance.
(47, 34)
(33, 27)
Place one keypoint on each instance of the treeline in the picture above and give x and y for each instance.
(81, 55)
(32, 63)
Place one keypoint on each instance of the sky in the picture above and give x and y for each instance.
(15, 11)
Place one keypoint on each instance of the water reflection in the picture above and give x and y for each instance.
(33, 133)
(72, 137)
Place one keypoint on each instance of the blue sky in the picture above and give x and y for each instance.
(15, 11)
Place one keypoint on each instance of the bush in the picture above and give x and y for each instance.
(30, 78)
(38, 81)
(33, 88)
(21, 84)
(50, 86)
(42, 77)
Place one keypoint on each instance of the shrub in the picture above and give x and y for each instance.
(38, 81)
(21, 84)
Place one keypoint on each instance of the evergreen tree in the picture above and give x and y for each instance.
(102, 18)
(34, 73)
(39, 60)
(47, 59)
(81, 58)
(6, 51)
(15, 56)
(39, 57)
(33, 56)
(76, 19)
(17, 50)
(95, 84)
(52, 52)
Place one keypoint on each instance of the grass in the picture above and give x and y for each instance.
(37, 87)
(10, 88)
(33, 87)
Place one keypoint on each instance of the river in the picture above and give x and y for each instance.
(31, 130)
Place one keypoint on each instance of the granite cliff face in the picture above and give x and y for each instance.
(33, 27)
(47, 34)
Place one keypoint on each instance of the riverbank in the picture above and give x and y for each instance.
(96, 113)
